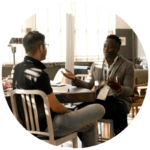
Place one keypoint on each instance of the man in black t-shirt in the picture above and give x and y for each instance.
(30, 75)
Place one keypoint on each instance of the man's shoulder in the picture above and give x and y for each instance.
(30, 69)
(125, 61)
(18, 65)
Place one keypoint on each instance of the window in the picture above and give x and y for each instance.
(92, 25)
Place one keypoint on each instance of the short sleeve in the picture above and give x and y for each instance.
(43, 83)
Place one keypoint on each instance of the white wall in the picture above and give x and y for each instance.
(121, 24)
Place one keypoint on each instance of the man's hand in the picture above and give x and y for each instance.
(113, 84)
(69, 75)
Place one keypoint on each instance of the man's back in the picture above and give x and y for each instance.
(30, 75)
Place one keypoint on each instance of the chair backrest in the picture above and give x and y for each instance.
(59, 76)
(81, 76)
(33, 117)
(142, 75)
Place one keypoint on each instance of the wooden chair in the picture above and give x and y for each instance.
(137, 99)
(35, 129)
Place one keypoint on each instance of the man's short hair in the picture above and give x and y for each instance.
(32, 40)
(115, 37)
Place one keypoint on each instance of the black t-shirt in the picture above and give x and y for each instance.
(30, 75)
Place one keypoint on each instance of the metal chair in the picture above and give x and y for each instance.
(82, 76)
(111, 129)
(35, 129)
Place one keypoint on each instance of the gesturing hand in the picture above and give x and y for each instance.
(113, 84)
(69, 75)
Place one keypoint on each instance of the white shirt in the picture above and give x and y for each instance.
(111, 91)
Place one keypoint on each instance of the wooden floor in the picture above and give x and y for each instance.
(105, 133)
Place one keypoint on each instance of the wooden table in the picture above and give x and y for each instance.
(74, 95)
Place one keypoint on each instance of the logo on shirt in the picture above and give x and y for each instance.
(29, 61)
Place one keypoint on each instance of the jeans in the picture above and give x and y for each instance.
(64, 124)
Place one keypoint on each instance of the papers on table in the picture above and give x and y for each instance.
(60, 89)
(54, 84)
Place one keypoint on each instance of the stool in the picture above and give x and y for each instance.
(111, 129)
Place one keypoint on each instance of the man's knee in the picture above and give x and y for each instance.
(98, 109)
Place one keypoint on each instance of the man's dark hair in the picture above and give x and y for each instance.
(32, 40)
(115, 37)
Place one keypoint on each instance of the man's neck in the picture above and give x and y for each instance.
(110, 60)
(33, 57)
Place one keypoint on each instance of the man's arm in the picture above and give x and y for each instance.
(43, 84)
(55, 105)
(128, 82)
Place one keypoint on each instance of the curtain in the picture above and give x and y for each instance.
(92, 24)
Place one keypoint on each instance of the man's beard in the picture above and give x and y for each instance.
(43, 56)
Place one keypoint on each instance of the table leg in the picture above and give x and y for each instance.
(136, 110)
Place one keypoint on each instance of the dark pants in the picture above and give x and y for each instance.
(115, 110)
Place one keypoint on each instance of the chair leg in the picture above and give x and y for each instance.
(61, 145)
(99, 132)
(82, 145)
(111, 130)
(132, 111)
(75, 143)
(136, 110)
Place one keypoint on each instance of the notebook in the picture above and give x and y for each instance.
(60, 89)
